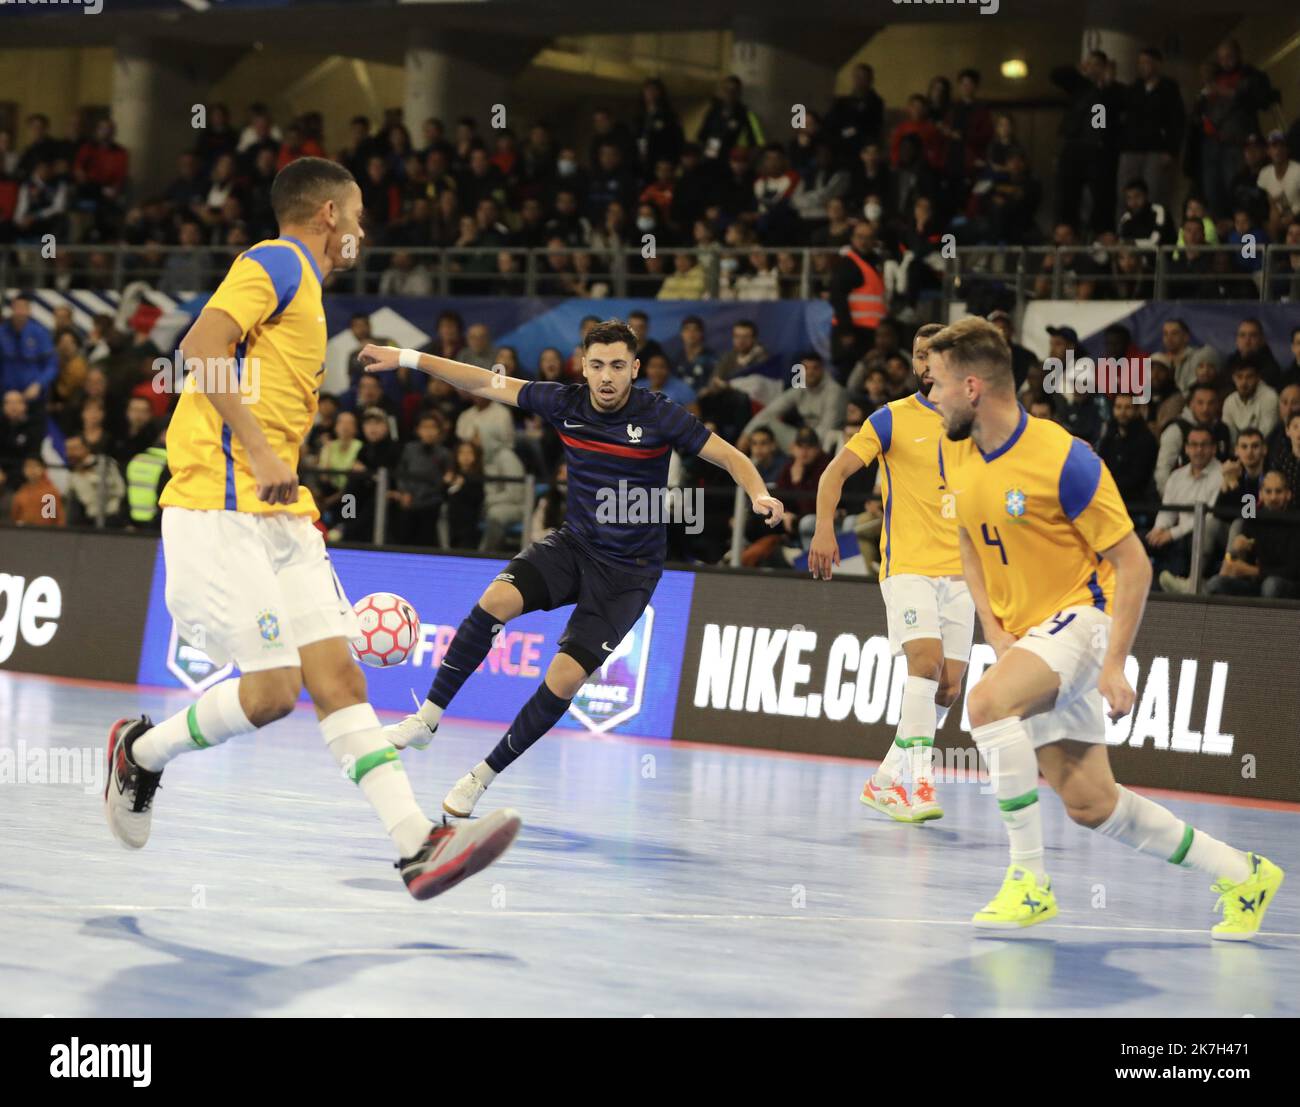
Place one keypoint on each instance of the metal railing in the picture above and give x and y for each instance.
(1013, 274)
(1124, 271)
(794, 272)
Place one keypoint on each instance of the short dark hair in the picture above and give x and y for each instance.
(974, 346)
(1153, 52)
(609, 332)
(696, 321)
(973, 74)
(303, 185)
(748, 324)
(1139, 184)
(1202, 386)
(1251, 432)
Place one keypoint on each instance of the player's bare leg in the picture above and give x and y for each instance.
(501, 601)
(432, 858)
(564, 677)
(1080, 774)
(1019, 685)
(138, 750)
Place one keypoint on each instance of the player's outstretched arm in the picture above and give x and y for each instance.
(994, 633)
(1132, 584)
(468, 378)
(824, 553)
(724, 455)
(206, 349)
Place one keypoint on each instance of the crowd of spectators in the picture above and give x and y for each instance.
(944, 162)
(82, 432)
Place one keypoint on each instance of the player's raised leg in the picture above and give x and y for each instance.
(433, 858)
(501, 601)
(1246, 883)
(138, 750)
(544, 709)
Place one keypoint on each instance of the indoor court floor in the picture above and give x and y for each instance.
(650, 879)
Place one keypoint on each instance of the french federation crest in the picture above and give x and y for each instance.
(1015, 503)
(612, 694)
(191, 665)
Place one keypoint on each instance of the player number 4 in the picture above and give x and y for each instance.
(995, 540)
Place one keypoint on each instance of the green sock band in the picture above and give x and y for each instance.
(196, 735)
(363, 765)
(1178, 856)
(1019, 802)
(908, 743)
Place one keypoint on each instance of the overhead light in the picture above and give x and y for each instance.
(1015, 69)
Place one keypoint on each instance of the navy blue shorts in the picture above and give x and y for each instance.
(608, 597)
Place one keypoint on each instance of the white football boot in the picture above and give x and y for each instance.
(461, 799)
(412, 732)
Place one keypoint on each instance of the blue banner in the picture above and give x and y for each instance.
(634, 692)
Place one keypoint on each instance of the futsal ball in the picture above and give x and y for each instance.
(390, 629)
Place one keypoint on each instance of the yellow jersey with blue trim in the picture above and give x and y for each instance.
(1039, 511)
(916, 536)
(273, 293)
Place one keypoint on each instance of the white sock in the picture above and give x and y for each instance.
(215, 717)
(1209, 855)
(916, 725)
(1013, 769)
(891, 768)
(484, 773)
(430, 713)
(356, 740)
(1145, 826)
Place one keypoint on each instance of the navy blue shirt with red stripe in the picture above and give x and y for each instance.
(631, 445)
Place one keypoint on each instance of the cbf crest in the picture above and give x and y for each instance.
(269, 626)
(1015, 501)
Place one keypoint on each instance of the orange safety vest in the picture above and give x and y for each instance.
(867, 301)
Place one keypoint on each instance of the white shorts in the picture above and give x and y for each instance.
(929, 607)
(1073, 643)
(252, 588)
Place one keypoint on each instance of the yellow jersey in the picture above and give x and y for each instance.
(1038, 510)
(916, 537)
(273, 292)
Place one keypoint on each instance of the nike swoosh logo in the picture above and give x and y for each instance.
(607, 649)
(447, 666)
(568, 424)
(921, 439)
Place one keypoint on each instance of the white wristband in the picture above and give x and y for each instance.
(409, 359)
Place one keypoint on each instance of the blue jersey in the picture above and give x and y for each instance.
(618, 466)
